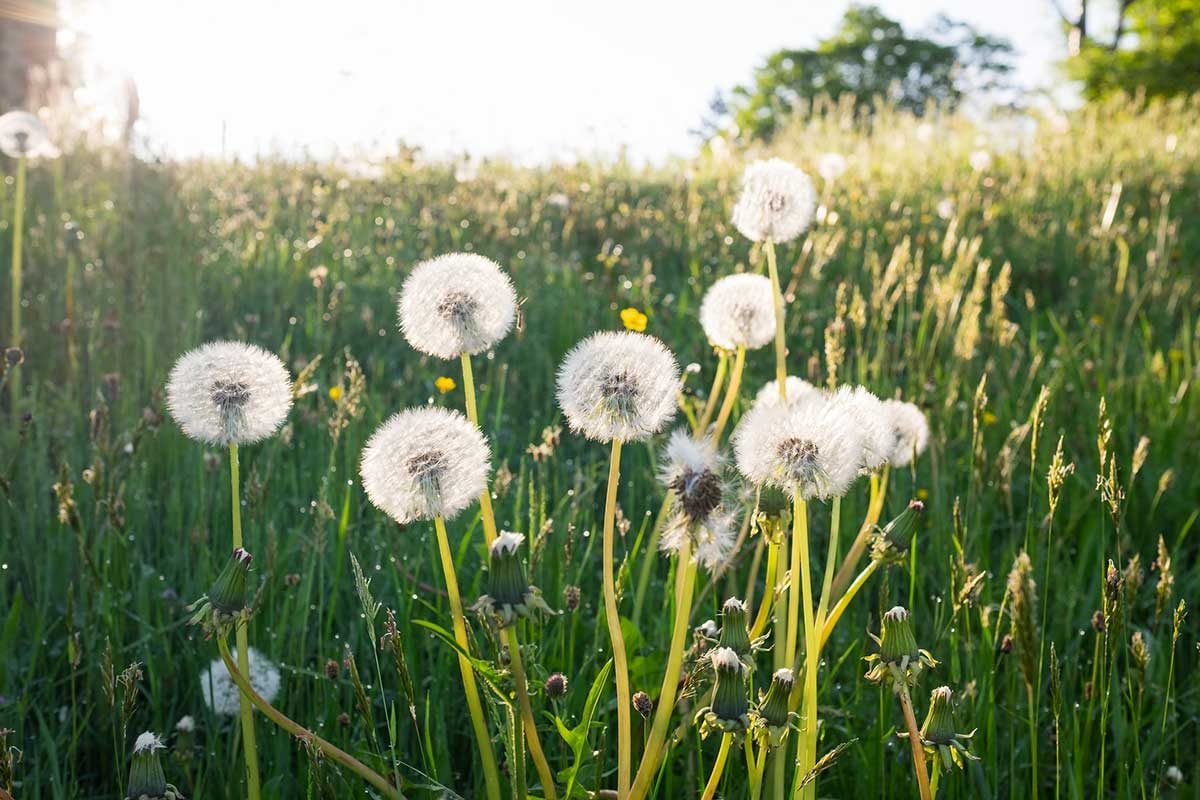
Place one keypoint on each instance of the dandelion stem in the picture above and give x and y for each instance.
(879, 484)
(714, 778)
(249, 745)
(14, 384)
(485, 498)
(531, 734)
(843, 602)
(484, 742)
(933, 782)
(914, 739)
(613, 619)
(764, 608)
(685, 579)
(731, 393)
(780, 346)
(299, 731)
(808, 715)
(710, 405)
(648, 560)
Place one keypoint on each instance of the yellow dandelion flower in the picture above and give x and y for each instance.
(335, 393)
(989, 418)
(922, 494)
(445, 384)
(633, 319)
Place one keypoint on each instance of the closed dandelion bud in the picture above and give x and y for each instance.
(892, 541)
(228, 593)
(556, 685)
(735, 628)
(642, 704)
(146, 778)
(772, 719)
(947, 747)
(731, 705)
(509, 595)
(897, 644)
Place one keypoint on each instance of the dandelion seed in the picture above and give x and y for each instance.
(910, 431)
(618, 386)
(424, 463)
(221, 694)
(777, 202)
(455, 304)
(798, 390)
(22, 135)
(739, 311)
(814, 448)
(229, 393)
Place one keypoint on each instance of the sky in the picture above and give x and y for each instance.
(532, 80)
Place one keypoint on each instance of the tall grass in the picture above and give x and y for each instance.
(1071, 264)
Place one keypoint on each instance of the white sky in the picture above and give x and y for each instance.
(531, 79)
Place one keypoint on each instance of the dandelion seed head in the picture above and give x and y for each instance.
(980, 160)
(831, 166)
(813, 447)
(423, 463)
(229, 393)
(618, 386)
(777, 202)
(221, 694)
(147, 742)
(712, 537)
(798, 390)
(456, 303)
(185, 724)
(873, 421)
(22, 135)
(910, 431)
(739, 311)
(725, 659)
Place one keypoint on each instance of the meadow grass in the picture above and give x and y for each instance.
(1072, 263)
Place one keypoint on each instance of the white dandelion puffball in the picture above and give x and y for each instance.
(910, 431)
(739, 311)
(692, 471)
(831, 166)
(424, 463)
(712, 537)
(687, 456)
(980, 160)
(22, 135)
(618, 386)
(229, 393)
(814, 448)
(777, 202)
(221, 694)
(798, 390)
(873, 422)
(455, 304)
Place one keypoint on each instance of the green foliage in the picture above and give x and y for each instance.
(1155, 50)
(107, 503)
(871, 58)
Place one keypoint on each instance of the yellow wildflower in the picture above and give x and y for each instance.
(445, 384)
(633, 319)
(335, 393)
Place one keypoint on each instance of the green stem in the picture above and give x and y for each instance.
(648, 559)
(879, 483)
(808, 714)
(933, 782)
(249, 745)
(299, 731)
(490, 773)
(710, 404)
(914, 739)
(613, 619)
(780, 346)
(714, 778)
(844, 601)
(731, 394)
(14, 384)
(485, 498)
(531, 734)
(685, 579)
(764, 608)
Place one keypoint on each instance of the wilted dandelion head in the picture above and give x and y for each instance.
(424, 463)
(831, 166)
(777, 202)
(147, 742)
(691, 470)
(457, 303)
(712, 537)
(910, 431)
(22, 135)
(221, 693)
(739, 311)
(873, 422)
(618, 386)
(814, 448)
(798, 390)
(229, 393)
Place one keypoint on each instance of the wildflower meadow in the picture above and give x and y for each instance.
(862, 464)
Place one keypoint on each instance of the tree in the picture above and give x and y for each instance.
(870, 57)
(1153, 46)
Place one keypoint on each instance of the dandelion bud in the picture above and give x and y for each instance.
(772, 717)
(228, 592)
(947, 747)
(146, 778)
(892, 541)
(642, 704)
(897, 643)
(509, 596)
(735, 627)
(731, 705)
(556, 685)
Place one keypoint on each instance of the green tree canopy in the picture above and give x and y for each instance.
(1153, 47)
(869, 57)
